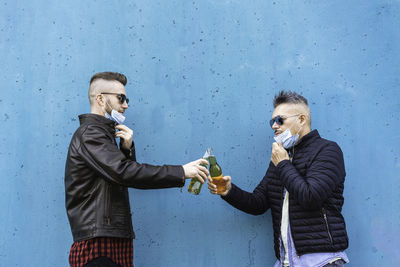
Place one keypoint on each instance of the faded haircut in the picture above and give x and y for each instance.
(290, 97)
(108, 76)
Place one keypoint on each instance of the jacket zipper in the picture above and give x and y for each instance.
(291, 232)
(107, 206)
(280, 220)
(283, 191)
(327, 225)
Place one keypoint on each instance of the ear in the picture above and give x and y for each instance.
(100, 99)
(303, 119)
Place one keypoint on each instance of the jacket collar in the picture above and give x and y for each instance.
(91, 118)
(308, 138)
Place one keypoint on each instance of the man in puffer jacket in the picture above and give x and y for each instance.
(303, 187)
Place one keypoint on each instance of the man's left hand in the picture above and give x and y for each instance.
(278, 153)
(126, 136)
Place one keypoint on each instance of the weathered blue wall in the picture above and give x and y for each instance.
(201, 73)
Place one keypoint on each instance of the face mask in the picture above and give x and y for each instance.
(115, 116)
(287, 139)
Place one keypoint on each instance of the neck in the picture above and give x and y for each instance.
(97, 111)
(306, 131)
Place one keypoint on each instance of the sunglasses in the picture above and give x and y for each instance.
(122, 98)
(280, 120)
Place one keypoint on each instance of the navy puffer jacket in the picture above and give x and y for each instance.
(315, 182)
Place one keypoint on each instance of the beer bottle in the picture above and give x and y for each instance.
(195, 185)
(216, 175)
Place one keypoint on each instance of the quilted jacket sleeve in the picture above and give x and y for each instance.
(255, 203)
(323, 176)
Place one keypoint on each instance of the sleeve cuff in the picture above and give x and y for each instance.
(129, 153)
(180, 173)
(281, 166)
(282, 163)
(230, 193)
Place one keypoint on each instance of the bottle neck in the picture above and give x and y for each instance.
(212, 160)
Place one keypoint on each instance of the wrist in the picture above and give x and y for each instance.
(227, 193)
(129, 149)
(184, 171)
(282, 162)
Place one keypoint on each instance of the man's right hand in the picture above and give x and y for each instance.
(213, 187)
(195, 170)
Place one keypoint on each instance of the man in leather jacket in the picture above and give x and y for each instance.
(303, 188)
(98, 174)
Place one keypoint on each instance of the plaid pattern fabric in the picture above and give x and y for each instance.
(119, 250)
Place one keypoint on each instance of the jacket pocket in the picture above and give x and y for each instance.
(327, 225)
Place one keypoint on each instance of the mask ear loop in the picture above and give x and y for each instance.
(105, 101)
(291, 158)
(109, 106)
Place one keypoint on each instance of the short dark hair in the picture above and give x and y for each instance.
(289, 97)
(109, 76)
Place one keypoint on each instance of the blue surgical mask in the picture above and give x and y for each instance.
(115, 116)
(287, 139)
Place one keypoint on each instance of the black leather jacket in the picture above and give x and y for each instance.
(97, 174)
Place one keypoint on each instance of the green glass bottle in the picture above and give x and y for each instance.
(216, 175)
(195, 185)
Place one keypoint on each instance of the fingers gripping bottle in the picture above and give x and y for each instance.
(195, 185)
(216, 174)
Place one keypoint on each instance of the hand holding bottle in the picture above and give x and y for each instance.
(217, 178)
(194, 169)
(195, 185)
(214, 189)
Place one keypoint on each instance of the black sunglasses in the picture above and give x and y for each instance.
(122, 98)
(279, 120)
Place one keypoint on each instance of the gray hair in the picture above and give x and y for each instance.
(289, 97)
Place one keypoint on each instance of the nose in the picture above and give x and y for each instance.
(275, 126)
(125, 105)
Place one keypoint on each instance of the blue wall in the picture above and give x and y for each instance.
(201, 73)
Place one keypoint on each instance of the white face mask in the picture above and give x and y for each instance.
(115, 115)
(287, 139)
